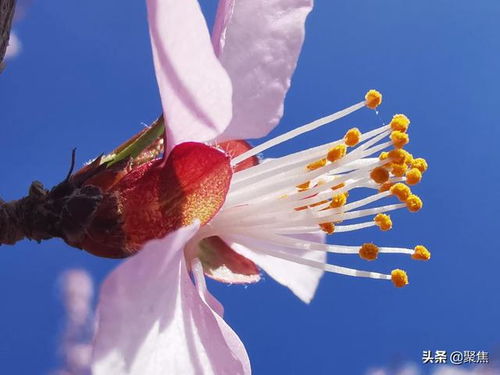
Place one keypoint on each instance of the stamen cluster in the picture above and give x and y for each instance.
(269, 204)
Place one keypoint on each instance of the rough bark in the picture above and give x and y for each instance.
(65, 212)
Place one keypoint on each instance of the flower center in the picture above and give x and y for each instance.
(273, 204)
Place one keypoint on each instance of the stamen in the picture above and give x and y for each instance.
(413, 176)
(379, 175)
(288, 162)
(373, 99)
(352, 137)
(385, 187)
(336, 153)
(398, 156)
(420, 164)
(384, 155)
(297, 244)
(314, 264)
(294, 168)
(328, 228)
(401, 191)
(316, 164)
(304, 186)
(400, 123)
(383, 221)
(268, 188)
(399, 139)
(398, 170)
(298, 131)
(414, 203)
(338, 200)
(421, 253)
(270, 203)
(399, 278)
(368, 251)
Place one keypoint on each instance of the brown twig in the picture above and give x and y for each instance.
(64, 212)
(6, 15)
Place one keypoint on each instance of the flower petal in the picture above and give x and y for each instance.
(300, 279)
(235, 148)
(258, 42)
(153, 321)
(201, 285)
(223, 264)
(232, 339)
(195, 89)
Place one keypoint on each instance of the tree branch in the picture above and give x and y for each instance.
(6, 15)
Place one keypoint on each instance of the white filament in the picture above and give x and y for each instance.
(264, 209)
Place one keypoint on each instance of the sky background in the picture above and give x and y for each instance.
(84, 78)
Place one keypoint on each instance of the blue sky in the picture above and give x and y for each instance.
(85, 79)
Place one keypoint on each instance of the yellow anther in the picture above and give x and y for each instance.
(399, 278)
(373, 99)
(339, 186)
(304, 186)
(328, 228)
(383, 221)
(336, 153)
(379, 175)
(401, 191)
(316, 164)
(400, 122)
(352, 137)
(414, 203)
(420, 164)
(368, 251)
(398, 170)
(383, 155)
(413, 176)
(318, 203)
(385, 186)
(338, 200)
(398, 156)
(399, 139)
(409, 158)
(421, 253)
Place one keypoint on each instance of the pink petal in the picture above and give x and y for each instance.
(195, 89)
(223, 264)
(258, 42)
(231, 338)
(153, 321)
(201, 286)
(301, 280)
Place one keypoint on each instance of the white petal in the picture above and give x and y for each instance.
(300, 279)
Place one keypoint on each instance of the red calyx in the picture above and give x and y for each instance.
(158, 197)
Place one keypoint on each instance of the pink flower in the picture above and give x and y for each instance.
(217, 212)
